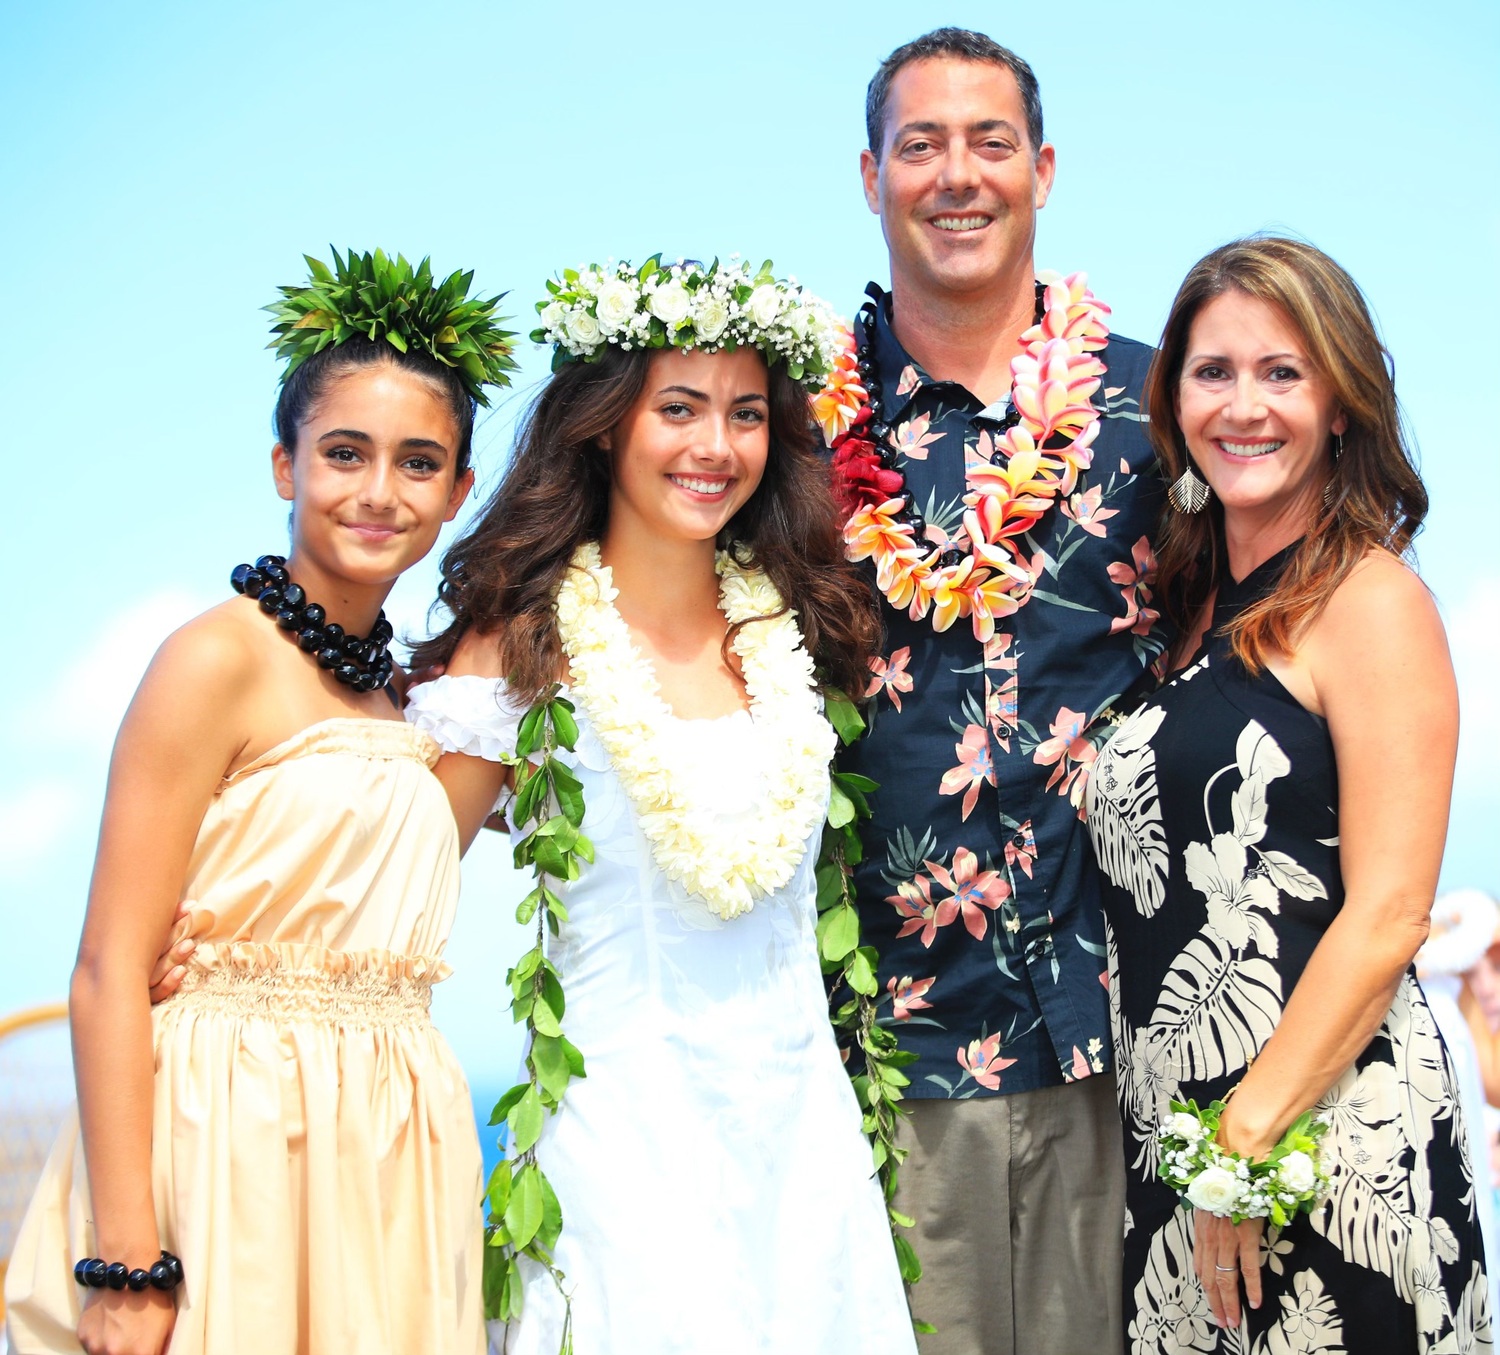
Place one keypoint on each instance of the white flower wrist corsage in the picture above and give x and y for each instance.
(1290, 1180)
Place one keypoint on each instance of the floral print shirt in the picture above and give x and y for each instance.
(978, 886)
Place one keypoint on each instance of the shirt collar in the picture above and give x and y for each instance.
(901, 376)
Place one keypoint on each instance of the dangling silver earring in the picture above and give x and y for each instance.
(1188, 493)
(1338, 451)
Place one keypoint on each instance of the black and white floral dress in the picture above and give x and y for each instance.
(1214, 812)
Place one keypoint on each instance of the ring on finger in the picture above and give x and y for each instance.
(1227, 1269)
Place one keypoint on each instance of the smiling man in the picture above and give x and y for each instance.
(1004, 491)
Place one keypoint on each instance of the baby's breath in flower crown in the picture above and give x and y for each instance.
(689, 305)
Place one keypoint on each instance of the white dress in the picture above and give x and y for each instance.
(717, 1193)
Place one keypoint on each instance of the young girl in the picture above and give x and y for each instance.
(715, 1190)
(281, 1157)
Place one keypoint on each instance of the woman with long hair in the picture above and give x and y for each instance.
(1271, 823)
(662, 550)
(281, 1156)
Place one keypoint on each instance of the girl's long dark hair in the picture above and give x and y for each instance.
(502, 573)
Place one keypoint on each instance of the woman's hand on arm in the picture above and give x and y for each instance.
(1379, 661)
(177, 739)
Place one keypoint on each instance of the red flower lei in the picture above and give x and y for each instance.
(1036, 462)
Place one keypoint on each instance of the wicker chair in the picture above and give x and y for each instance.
(36, 1089)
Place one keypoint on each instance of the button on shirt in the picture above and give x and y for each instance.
(978, 885)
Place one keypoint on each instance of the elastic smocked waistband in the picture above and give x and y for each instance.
(291, 982)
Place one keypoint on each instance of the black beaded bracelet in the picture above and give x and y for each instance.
(165, 1275)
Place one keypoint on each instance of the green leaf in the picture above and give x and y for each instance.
(838, 932)
(503, 1105)
(906, 1260)
(525, 1121)
(550, 1063)
(544, 1019)
(529, 735)
(550, 859)
(563, 723)
(854, 781)
(496, 1264)
(859, 972)
(498, 1190)
(840, 807)
(552, 1217)
(523, 1213)
(569, 791)
(830, 877)
(530, 791)
(843, 715)
(552, 991)
(526, 909)
(514, 1292)
(575, 1059)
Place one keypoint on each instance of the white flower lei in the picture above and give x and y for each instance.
(728, 866)
(688, 305)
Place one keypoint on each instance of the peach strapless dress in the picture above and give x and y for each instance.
(314, 1161)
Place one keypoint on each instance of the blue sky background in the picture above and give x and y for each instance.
(164, 166)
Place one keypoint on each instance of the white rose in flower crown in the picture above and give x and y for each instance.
(671, 303)
(616, 305)
(1215, 1190)
(1184, 1126)
(710, 316)
(550, 316)
(1297, 1172)
(799, 320)
(583, 329)
(764, 304)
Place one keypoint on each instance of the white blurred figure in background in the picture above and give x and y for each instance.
(1459, 969)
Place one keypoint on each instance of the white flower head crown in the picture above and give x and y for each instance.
(720, 306)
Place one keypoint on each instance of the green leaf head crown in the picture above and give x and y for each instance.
(373, 296)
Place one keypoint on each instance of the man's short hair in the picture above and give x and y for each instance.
(964, 45)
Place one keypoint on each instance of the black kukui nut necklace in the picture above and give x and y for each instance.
(362, 663)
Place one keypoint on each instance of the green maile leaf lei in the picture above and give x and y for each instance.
(525, 1215)
(879, 1084)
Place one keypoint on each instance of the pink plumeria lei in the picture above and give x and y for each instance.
(1038, 461)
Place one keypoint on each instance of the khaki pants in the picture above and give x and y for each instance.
(1019, 1204)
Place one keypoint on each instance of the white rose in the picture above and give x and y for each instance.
(710, 316)
(551, 315)
(799, 320)
(764, 303)
(583, 329)
(616, 305)
(1297, 1173)
(671, 302)
(1215, 1190)
(1184, 1126)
